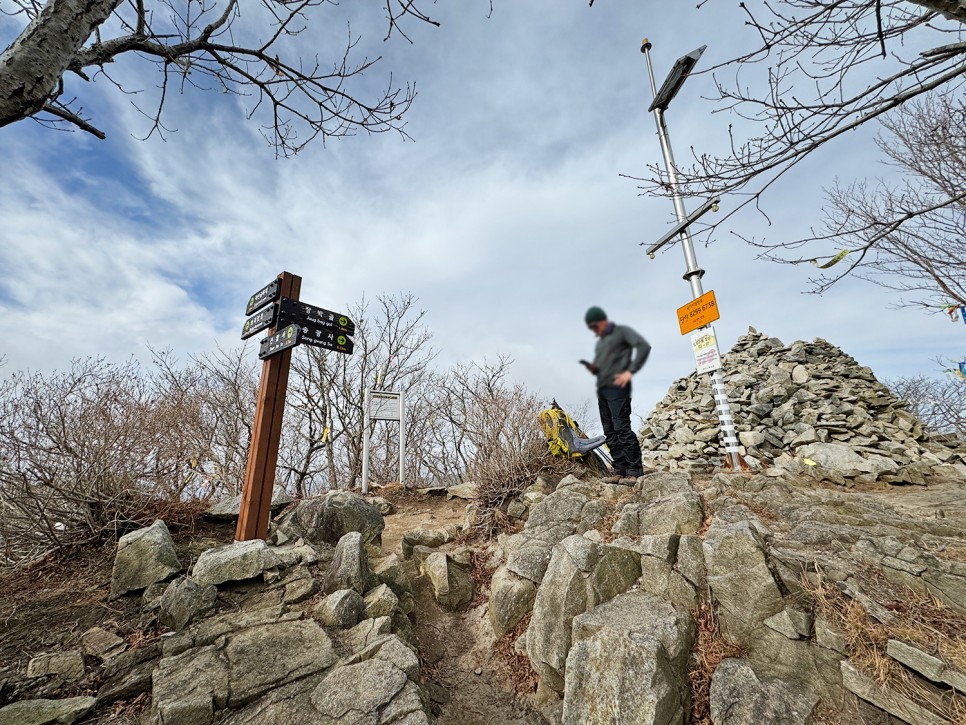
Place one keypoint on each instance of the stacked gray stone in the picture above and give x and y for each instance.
(807, 400)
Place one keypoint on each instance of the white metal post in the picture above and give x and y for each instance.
(694, 273)
(402, 439)
(366, 422)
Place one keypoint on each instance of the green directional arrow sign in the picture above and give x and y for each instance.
(282, 340)
(325, 338)
(268, 293)
(304, 314)
(261, 320)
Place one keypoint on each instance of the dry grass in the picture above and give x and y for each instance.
(606, 524)
(710, 648)
(952, 553)
(482, 577)
(395, 492)
(514, 668)
(920, 620)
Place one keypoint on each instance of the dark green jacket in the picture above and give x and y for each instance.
(615, 350)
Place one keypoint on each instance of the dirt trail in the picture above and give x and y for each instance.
(456, 648)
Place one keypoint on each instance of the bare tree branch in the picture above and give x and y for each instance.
(300, 98)
(818, 70)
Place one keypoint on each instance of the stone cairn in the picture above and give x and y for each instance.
(805, 408)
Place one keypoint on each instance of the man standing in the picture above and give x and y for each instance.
(620, 353)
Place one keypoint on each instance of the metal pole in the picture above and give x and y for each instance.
(694, 273)
(402, 438)
(366, 408)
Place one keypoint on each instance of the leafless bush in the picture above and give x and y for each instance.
(97, 449)
(490, 430)
(84, 453)
(223, 387)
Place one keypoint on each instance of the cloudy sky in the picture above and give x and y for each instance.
(507, 215)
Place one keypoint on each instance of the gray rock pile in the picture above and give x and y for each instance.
(321, 631)
(807, 408)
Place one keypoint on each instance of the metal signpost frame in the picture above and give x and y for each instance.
(694, 273)
(384, 405)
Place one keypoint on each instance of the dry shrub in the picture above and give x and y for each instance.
(395, 492)
(710, 648)
(920, 620)
(514, 667)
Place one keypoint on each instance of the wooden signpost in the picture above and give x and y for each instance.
(285, 333)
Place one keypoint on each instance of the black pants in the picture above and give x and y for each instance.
(615, 417)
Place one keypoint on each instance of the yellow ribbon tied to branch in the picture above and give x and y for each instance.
(834, 260)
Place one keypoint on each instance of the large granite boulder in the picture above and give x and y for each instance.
(229, 508)
(739, 696)
(328, 518)
(628, 663)
(341, 609)
(677, 513)
(184, 601)
(237, 668)
(528, 552)
(740, 579)
(390, 571)
(143, 557)
(511, 598)
(350, 565)
(237, 561)
(581, 575)
(374, 691)
(452, 584)
(573, 502)
(46, 712)
(66, 666)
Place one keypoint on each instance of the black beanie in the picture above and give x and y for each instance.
(595, 314)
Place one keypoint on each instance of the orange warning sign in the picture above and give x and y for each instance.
(698, 313)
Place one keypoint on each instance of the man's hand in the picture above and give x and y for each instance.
(590, 366)
(622, 380)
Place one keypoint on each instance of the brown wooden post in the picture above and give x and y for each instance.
(263, 453)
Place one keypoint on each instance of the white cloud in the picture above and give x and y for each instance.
(507, 216)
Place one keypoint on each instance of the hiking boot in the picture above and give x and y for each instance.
(627, 481)
(616, 478)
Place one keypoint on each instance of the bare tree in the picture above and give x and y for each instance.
(940, 403)
(204, 45)
(328, 393)
(817, 70)
(495, 436)
(909, 237)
